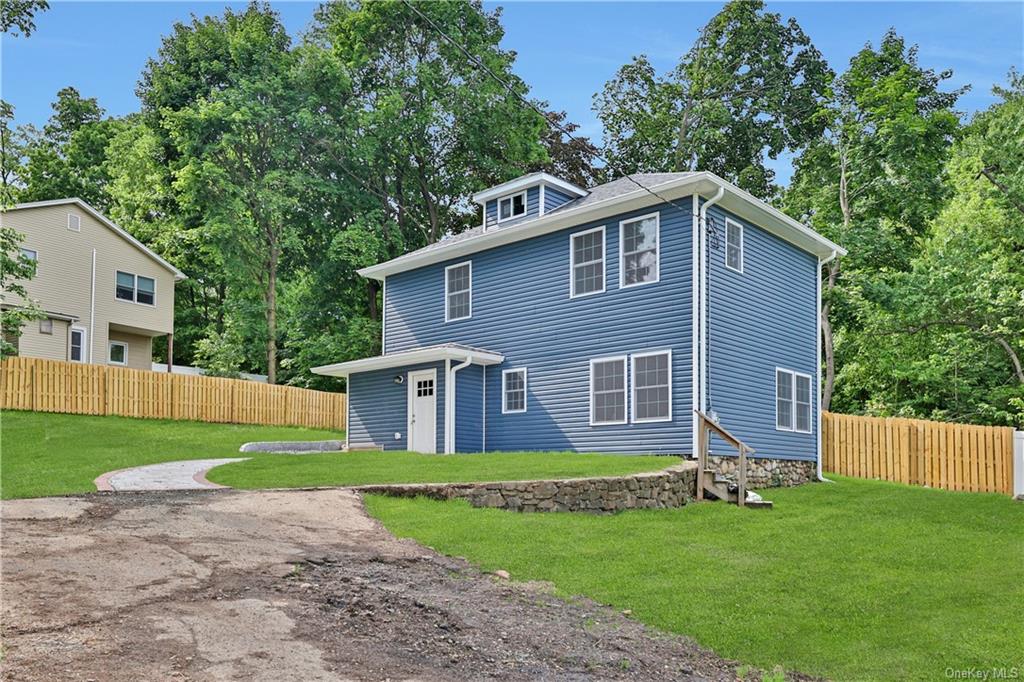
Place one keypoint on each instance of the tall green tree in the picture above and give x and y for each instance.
(747, 90)
(18, 17)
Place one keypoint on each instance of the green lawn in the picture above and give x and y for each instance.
(54, 454)
(857, 580)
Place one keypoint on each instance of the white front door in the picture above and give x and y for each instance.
(423, 411)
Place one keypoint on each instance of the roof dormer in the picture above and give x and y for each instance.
(524, 198)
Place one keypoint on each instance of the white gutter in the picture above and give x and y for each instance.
(694, 321)
(704, 284)
(92, 307)
(821, 262)
(449, 399)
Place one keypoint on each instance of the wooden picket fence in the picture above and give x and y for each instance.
(76, 388)
(934, 454)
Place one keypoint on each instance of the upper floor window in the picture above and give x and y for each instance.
(511, 206)
(733, 246)
(135, 288)
(608, 391)
(513, 391)
(792, 401)
(29, 254)
(458, 291)
(74, 223)
(638, 251)
(652, 386)
(586, 255)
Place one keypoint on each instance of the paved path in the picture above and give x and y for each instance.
(186, 475)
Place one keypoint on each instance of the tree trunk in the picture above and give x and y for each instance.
(271, 312)
(371, 299)
(827, 345)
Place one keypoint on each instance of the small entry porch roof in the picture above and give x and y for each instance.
(446, 351)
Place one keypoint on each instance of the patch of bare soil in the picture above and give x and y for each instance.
(278, 585)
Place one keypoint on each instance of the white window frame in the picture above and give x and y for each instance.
(85, 343)
(625, 390)
(135, 289)
(74, 225)
(504, 390)
(447, 308)
(728, 222)
(511, 199)
(573, 263)
(25, 251)
(792, 398)
(633, 387)
(657, 250)
(110, 346)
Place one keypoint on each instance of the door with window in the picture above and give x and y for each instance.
(423, 411)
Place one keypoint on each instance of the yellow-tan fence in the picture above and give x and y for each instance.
(918, 452)
(75, 388)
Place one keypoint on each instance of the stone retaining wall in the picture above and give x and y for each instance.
(671, 487)
(766, 473)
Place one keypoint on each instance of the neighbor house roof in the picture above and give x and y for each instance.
(178, 274)
(618, 196)
(446, 351)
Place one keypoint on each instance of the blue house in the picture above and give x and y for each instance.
(597, 320)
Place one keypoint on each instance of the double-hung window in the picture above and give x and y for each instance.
(734, 246)
(513, 391)
(638, 251)
(608, 391)
(135, 288)
(458, 292)
(792, 401)
(511, 206)
(586, 258)
(652, 387)
(29, 254)
(76, 345)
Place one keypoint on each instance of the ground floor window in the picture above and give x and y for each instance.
(792, 401)
(76, 345)
(118, 354)
(513, 391)
(652, 387)
(608, 391)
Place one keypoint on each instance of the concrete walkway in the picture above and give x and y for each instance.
(185, 475)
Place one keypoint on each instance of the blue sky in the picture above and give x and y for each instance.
(566, 51)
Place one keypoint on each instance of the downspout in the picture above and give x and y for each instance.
(92, 308)
(817, 407)
(449, 408)
(705, 283)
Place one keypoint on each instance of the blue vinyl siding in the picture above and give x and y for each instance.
(378, 407)
(761, 319)
(532, 209)
(522, 309)
(553, 198)
(469, 409)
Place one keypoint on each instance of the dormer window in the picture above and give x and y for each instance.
(511, 206)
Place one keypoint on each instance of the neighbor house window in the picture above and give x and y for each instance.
(638, 251)
(652, 387)
(46, 326)
(118, 354)
(733, 246)
(458, 292)
(74, 223)
(135, 288)
(511, 206)
(76, 345)
(513, 391)
(608, 391)
(792, 401)
(29, 254)
(587, 262)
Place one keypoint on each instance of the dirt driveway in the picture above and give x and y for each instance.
(275, 585)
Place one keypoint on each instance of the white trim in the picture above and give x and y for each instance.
(77, 222)
(135, 288)
(504, 389)
(524, 182)
(348, 413)
(540, 200)
(511, 198)
(178, 274)
(483, 399)
(657, 250)
(817, 369)
(632, 391)
(450, 383)
(739, 202)
(694, 322)
(410, 379)
(384, 315)
(410, 357)
(110, 346)
(728, 222)
(810, 404)
(92, 301)
(625, 389)
(446, 293)
(84, 345)
(572, 262)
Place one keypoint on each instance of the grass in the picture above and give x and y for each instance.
(56, 454)
(859, 580)
(359, 468)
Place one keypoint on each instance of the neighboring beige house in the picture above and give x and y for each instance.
(105, 295)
